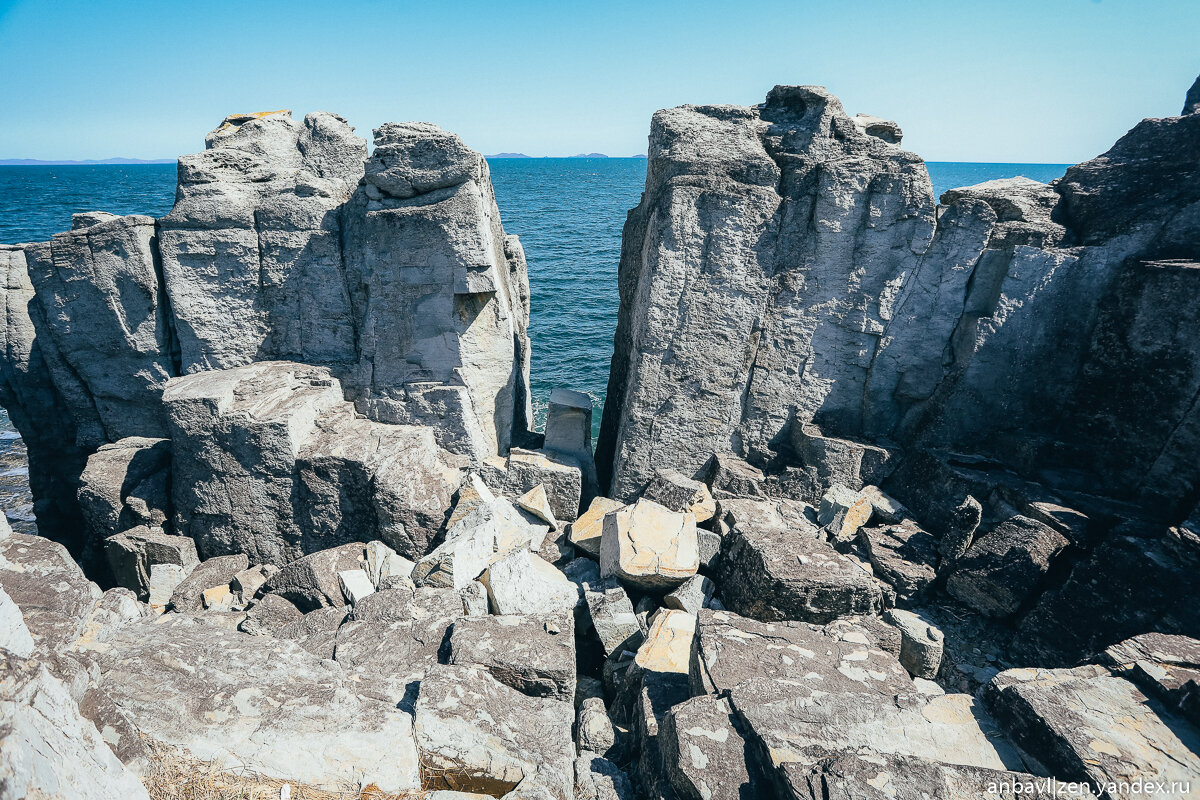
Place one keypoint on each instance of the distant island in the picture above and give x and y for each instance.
(589, 155)
(509, 155)
(35, 162)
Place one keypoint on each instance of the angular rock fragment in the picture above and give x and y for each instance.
(843, 511)
(45, 583)
(1087, 725)
(254, 702)
(460, 708)
(315, 631)
(676, 491)
(535, 502)
(903, 555)
(312, 582)
(125, 485)
(594, 730)
(961, 532)
(586, 532)
(920, 645)
(355, 585)
(611, 614)
(597, 778)
(489, 531)
(522, 583)
(705, 755)
(133, 553)
(523, 470)
(840, 461)
(691, 596)
(1006, 566)
(646, 545)
(164, 580)
(384, 562)
(269, 615)
(534, 655)
(776, 573)
(246, 584)
(1164, 666)
(14, 635)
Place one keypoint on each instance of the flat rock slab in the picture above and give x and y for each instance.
(902, 555)
(1085, 724)
(794, 687)
(867, 775)
(254, 702)
(1005, 567)
(476, 734)
(706, 757)
(534, 656)
(776, 573)
(1166, 666)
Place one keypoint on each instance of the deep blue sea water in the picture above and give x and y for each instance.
(567, 211)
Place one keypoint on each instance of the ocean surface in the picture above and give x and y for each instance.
(567, 211)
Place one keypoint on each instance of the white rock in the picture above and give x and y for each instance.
(164, 578)
(648, 546)
(355, 585)
(14, 636)
(522, 583)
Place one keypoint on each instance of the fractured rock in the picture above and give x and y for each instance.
(692, 595)
(532, 655)
(776, 573)
(14, 635)
(355, 585)
(586, 531)
(648, 546)
(597, 778)
(843, 511)
(594, 729)
(523, 470)
(133, 553)
(269, 615)
(678, 492)
(45, 583)
(312, 582)
(125, 485)
(612, 614)
(476, 734)
(920, 645)
(902, 555)
(522, 583)
(1165, 666)
(490, 530)
(1005, 567)
(706, 757)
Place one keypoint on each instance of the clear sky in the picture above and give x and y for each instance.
(1005, 80)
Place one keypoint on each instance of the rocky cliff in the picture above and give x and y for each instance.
(890, 500)
(788, 266)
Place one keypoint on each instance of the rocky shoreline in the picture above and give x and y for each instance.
(894, 497)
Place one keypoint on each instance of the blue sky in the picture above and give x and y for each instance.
(1008, 80)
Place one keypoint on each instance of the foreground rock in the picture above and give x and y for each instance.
(475, 734)
(47, 750)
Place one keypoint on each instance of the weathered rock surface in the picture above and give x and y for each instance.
(777, 573)
(126, 485)
(476, 734)
(47, 749)
(648, 546)
(45, 583)
(218, 571)
(706, 757)
(1087, 725)
(902, 555)
(1006, 566)
(1166, 667)
(533, 654)
(133, 554)
(253, 702)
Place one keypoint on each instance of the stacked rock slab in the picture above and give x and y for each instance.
(787, 266)
(286, 243)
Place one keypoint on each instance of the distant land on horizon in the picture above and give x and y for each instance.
(581, 155)
(37, 162)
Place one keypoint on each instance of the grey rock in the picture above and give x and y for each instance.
(1006, 566)
(269, 615)
(133, 554)
(1087, 725)
(676, 491)
(125, 485)
(921, 643)
(47, 749)
(213, 572)
(312, 582)
(597, 778)
(692, 595)
(867, 775)
(706, 757)
(1166, 667)
(103, 279)
(534, 655)
(384, 562)
(587, 531)
(506, 738)
(523, 583)
(840, 461)
(255, 702)
(902, 555)
(315, 631)
(488, 530)
(778, 573)
(475, 599)
(45, 583)
(961, 532)
(164, 580)
(247, 583)
(594, 729)
(14, 635)
(355, 585)
(523, 470)
(612, 615)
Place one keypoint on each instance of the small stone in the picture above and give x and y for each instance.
(355, 585)
(217, 596)
(692, 595)
(843, 511)
(921, 644)
(585, 532)
(164, 579)
(384, 562)
(958, 537)
(676, 491)
(535, 502)
(475, 599)
(668, 646)
(593, 727)
(612, 615)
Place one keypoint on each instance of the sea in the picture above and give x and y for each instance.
(567, 211)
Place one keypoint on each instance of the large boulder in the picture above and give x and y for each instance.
(134, 553)
(253, 703)
(476, 734)
(535, 656)
(1087, 725)
(771, 572)
(126, 485)
(1006, 566)
(47, 749)
(55, 598)
(648, 546)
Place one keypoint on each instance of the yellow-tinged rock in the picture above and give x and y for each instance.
(537, 503)
(668, 645)
(215, 596)
(585, 532)
(474, 493)
(705, 507)
(649, 546)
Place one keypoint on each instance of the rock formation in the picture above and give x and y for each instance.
(894, 499)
